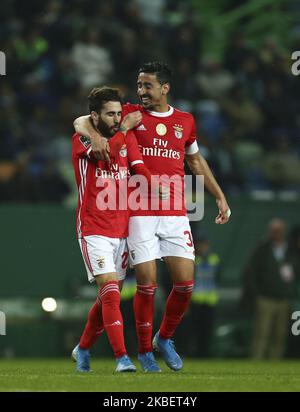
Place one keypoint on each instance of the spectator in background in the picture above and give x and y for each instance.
(205, 297)
(131, 14)
(270, 280)
(278, 109)
(282, 165)
(105, 16)
(250, 76)
(126, 51)
(244, 115)
(55, 49)
(294, 240)
(92, 61)
(29, 48)
(187, 44)
(185, 92)
(294, 245)
(151, 11)
(213, 80)
(237, 51)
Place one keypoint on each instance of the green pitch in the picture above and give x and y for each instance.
(197, 376)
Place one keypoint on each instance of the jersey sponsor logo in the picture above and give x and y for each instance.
(101, 262)
(160, 152)
(85, 141)
(141, 128)
(178, 130)
(161, 129)
(122, 173)
(123, 151)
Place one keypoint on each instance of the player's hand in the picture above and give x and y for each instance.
(131, 120)
(224, 211)
(100, 148)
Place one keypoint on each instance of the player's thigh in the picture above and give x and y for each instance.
(180, 269)
(98, 256)
(146, 273)
(143, 242)
(176, 237)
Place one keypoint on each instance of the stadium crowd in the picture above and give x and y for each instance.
(245, 103)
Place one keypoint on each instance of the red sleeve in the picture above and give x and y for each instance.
(193, 133)
(133, 151)
(115, 143)
(135, 157)
(141, 169)
(82, 146)
(129, 108)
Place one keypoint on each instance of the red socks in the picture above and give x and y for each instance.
(177, 303)
(108, 316)
(112, 317)
(143, 306)
(94, 326)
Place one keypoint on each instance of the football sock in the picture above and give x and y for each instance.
(143, 306)
(112, 317)
(94, 326)
(177, 304)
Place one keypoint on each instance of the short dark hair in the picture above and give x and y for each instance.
(161, 70)
(101, 95)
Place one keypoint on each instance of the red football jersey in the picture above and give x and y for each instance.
(164, 139)
(92, 177)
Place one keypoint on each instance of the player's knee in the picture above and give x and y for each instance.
(148, 289)
(184, 287)
(146, 273)
(103, 279)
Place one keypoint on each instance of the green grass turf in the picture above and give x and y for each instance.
(197, 376)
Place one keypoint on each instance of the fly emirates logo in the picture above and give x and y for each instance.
(160, 150)
(114, 173)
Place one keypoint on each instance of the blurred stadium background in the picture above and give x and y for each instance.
(232, 70)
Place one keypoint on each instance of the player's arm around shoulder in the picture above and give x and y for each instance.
(100, 146)
(199, 166)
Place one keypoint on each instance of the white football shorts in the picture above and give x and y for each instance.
(155, 237)
(103, 255)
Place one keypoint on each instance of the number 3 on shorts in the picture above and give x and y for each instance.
(190, 239)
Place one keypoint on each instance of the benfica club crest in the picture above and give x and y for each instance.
(101, 262)
(132, 254)
(123, 151)
(178, 130)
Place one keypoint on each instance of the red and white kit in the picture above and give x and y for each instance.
(102, 233)
(164, 139)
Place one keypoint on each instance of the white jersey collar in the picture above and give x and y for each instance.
(162, 114)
